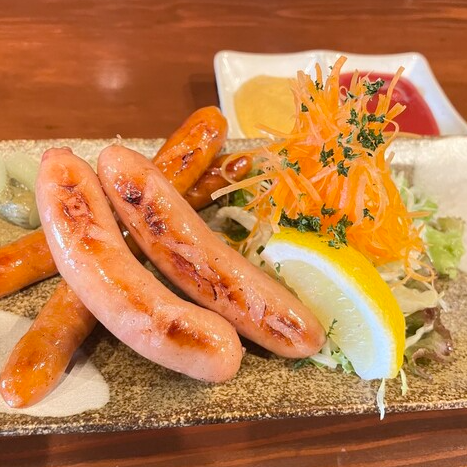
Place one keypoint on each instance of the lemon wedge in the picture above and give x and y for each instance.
(347, 295)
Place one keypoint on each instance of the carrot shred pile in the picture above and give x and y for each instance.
(333, 166)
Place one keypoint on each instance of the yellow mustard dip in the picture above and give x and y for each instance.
(267, 100)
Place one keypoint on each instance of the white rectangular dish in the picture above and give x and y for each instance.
(232, 69)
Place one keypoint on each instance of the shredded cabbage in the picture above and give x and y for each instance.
(411, 300)
(380, 399)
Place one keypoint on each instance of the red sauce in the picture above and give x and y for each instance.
(416, 118)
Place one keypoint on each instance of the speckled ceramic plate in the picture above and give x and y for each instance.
(144, 395)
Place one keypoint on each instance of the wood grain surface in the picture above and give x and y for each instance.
(416, 440)
(85, 68)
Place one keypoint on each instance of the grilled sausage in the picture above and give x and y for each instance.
(93, 258)
(42, 355)
(184, 157)
(31, 372)
(199, 196)
(189, 151)
(181, 245)
(24, 262)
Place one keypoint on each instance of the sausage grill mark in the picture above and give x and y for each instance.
(131, 193)
(155, 222)
(185, 336)
(133, 296)
(286, 321)
(277, 334)
(92, 244)
(185, 160)
(75, 205)
(218, 288)
(188, 269)
(290, 323)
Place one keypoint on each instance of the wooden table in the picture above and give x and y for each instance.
(137, 68)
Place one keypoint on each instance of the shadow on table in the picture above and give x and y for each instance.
(201, 90)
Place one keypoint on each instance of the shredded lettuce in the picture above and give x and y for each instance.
(413, 199)
(445, 245)
(330, 356)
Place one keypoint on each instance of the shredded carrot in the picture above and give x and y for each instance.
(335, 157)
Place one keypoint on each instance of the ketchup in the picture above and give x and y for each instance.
(416, 118)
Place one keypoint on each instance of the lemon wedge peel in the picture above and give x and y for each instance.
(370, 326)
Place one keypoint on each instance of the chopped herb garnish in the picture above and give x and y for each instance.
(339, 139)
(304, 108)
(300, 196)
(369, 139)
(342, 169)
(350, 96)
(295, 166)
(283, 152)
(339, 231)
(376, 118)
(302, 223)
(271, 200)
(367, 213)
(349, 138)
(318, 86)
(262, 263)
(277, 267)
(325, 157)
(373, 87)
(327, 211)
(331, 328)
(353, 120)
(260, 249)
(349, 154)
(312, 99)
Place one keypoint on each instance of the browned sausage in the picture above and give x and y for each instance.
(24, 262)
(40, 358)
(199, 196)
(189, 151)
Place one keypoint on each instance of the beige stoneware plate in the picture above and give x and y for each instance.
(144, 395)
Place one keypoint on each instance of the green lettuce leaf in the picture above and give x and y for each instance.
(445, 245)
